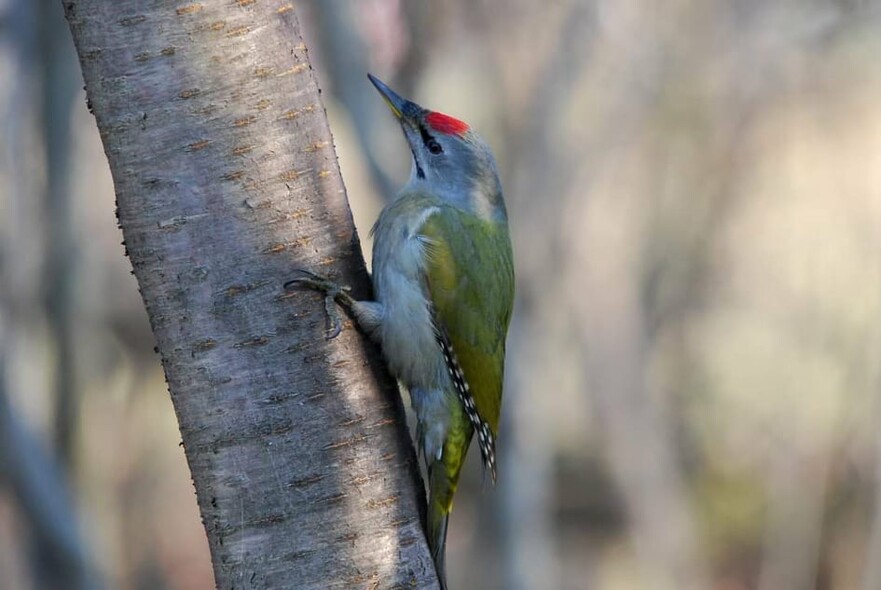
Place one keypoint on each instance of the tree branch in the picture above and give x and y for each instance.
(226, 181)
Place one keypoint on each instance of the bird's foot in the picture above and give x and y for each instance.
(333, 293)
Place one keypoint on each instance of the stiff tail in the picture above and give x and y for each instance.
(437, 541)
(442, 481)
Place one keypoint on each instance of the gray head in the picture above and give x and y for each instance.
(449, 158)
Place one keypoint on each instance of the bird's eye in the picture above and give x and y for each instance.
(434, 147)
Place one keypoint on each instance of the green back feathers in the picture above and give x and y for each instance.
(470, 280)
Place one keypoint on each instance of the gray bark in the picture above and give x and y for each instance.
(226, 180)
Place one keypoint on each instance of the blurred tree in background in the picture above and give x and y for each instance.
(694, 191)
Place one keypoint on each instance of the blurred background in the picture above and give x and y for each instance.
(694, 370)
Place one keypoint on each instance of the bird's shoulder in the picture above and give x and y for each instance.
(407, 212)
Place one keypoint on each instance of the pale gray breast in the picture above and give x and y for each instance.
(406, 332)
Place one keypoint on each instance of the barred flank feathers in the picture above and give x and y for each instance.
(484, 434)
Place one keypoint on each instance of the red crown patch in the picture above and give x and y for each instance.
(446, 124)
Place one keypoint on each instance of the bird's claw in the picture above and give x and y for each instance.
(332, 293)
(334, 321)
(310, 280)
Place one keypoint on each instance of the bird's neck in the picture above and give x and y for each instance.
(482, 199)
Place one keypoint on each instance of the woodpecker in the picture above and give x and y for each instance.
(443, 280)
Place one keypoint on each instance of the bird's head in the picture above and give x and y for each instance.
(449, 158)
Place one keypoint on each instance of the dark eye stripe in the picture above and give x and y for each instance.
(426, 136)
(430, 142)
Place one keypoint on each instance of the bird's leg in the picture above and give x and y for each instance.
(333, 293)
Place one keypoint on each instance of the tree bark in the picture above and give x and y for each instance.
(226, 180)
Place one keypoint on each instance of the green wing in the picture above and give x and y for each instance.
(469, 278)
(470, 281)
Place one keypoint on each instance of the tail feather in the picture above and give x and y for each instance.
(442, 487)
(437, 541)
(443, 479)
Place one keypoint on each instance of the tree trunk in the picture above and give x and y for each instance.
(226, 180)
